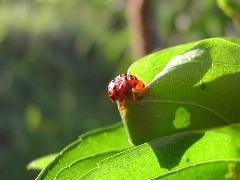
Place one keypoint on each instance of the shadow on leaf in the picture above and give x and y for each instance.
(170, 151)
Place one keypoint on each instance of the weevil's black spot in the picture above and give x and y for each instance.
(203, 86)
(113, 98)
(127, 87)
(114, 87)
(126, 93)
(135, 84)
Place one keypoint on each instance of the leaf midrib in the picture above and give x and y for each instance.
(187, 103)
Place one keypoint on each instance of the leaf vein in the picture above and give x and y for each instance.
(189, 103)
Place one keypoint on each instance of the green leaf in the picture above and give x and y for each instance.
(216, 169)
(190, 87)
(42, 162)
(87, 150)
(80, 167)
(171, 154)
(233, 131)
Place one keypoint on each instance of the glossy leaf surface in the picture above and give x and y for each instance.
(170, 155)
(103, 141)
(217, 169)
(190, 87)
(42, 162)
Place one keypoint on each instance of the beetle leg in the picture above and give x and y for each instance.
(122, 104)
(135, 100)
(133, 96)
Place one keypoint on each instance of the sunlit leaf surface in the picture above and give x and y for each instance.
(89, 149)
(190, 87)
(189, 154)
(42, 162)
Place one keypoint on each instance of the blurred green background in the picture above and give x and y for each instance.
(57, 57)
